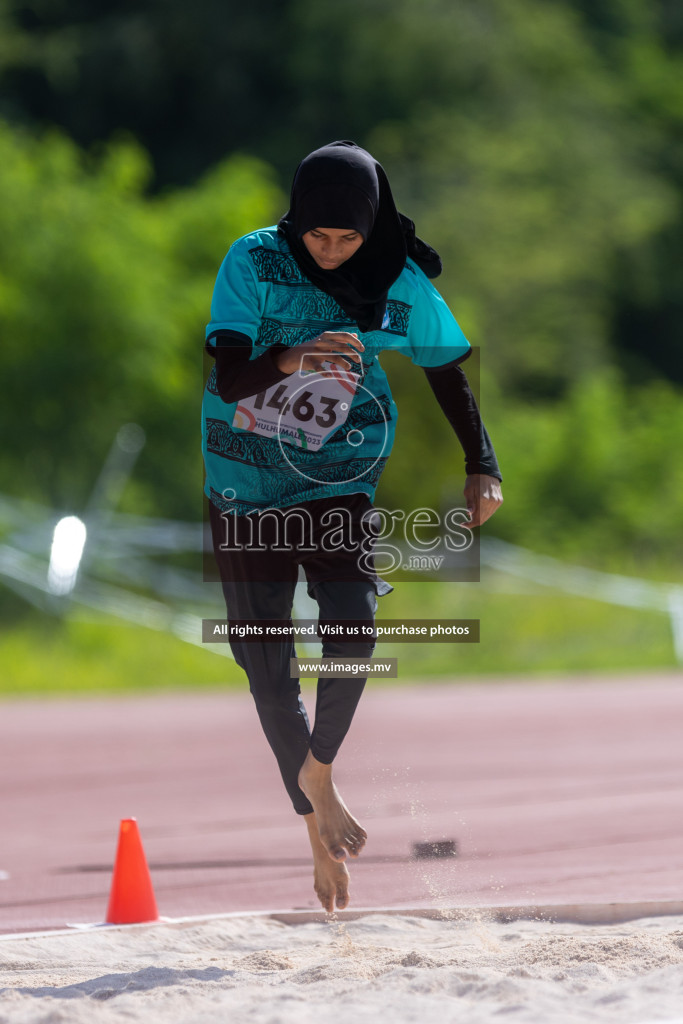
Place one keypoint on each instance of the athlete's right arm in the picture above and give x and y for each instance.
(238, 376)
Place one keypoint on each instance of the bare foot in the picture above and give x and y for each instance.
(330, 878)
(338, 829)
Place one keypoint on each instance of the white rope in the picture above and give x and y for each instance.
(611, 588)
(125, 543)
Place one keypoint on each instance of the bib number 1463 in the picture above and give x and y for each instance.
(304, 411)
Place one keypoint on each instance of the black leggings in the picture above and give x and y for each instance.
(260, 585)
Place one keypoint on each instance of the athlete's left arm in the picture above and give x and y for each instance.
(437, 344)
(483, 493)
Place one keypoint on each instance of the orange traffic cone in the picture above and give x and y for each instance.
(131, 900)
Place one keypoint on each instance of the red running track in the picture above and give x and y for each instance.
(559, 792)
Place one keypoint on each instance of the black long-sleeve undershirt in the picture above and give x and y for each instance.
(454, 395)
(238, 376)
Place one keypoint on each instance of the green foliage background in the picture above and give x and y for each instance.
(537, 145)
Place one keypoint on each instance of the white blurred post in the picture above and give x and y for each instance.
(68, 541)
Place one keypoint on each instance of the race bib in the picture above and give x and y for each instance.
(303, 411)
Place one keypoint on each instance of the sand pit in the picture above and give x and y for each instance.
(377, 968)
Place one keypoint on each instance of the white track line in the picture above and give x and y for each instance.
(553, 913)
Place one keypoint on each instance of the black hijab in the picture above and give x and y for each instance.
(343, 186)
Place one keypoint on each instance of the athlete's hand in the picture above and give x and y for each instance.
(341, 348)
(483, 495)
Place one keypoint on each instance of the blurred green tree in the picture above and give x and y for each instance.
(536, 144)
(595, 478)
(103, 299)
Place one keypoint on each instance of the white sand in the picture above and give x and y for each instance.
(377, 969)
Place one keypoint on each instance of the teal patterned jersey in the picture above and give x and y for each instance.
(261, 293)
